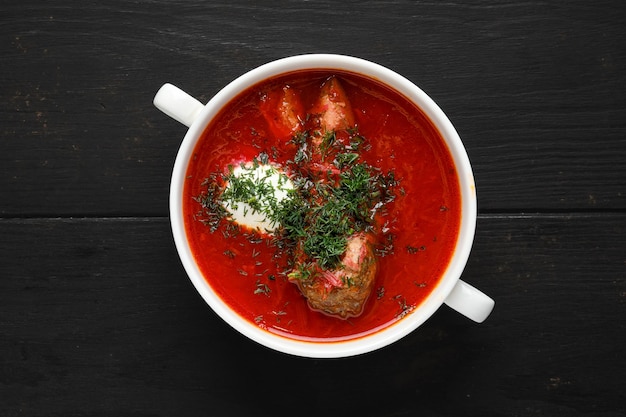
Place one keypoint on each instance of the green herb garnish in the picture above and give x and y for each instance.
(322, 210)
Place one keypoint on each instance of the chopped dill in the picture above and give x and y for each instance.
(322, 210)
(404, 307)
(414, 249)
(380, 293)
(262, 288)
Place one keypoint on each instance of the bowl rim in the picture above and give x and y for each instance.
(388, 334)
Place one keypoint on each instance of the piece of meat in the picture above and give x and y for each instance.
(283, 110)
(333, 107)
(344, 290)
(331, 117)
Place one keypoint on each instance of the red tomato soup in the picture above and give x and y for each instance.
(420, 225)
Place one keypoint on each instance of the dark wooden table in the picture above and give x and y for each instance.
(97, 316)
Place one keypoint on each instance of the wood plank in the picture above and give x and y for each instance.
(98, 318)
(536, 91)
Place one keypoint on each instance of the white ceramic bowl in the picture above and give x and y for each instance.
(450, 290)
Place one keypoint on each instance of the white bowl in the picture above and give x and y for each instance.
(450, 289)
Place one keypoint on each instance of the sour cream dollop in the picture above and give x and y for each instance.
(253, 193)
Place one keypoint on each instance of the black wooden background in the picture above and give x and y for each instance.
(97, 316)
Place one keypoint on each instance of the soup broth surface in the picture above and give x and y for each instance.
(420, 225)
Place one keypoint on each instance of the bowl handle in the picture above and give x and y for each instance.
(469, 301)
(177, 104)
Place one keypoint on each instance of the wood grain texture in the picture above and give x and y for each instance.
(535, 89)
(97, 316)
(99, 321)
